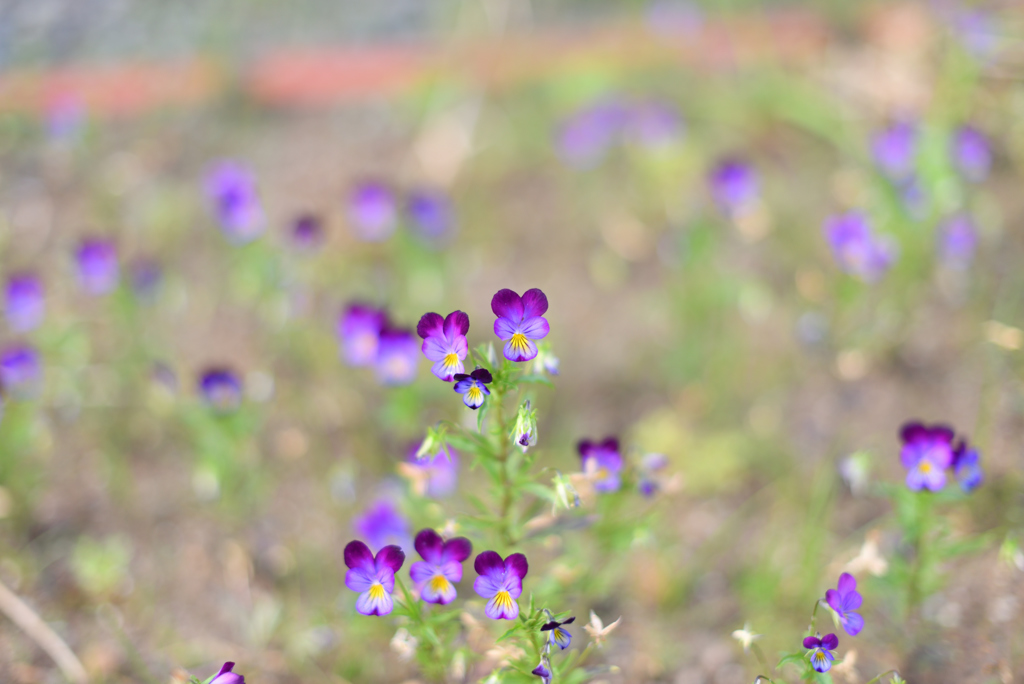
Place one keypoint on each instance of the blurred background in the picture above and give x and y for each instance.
(197, 186)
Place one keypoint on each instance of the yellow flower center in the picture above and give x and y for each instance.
(451, 360)
(377, 591)
(474, 393)
(439, 584)
(519, 343)
(926, 467)
(503, 601)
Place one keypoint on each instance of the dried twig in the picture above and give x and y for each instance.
(37, 630)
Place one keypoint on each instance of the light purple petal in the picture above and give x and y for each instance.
(391, 557)
(359, 579)
(507, 304)
(834, 600)
(915, 480)
(535, 328)
(487, 586)
(504, 328)
(853, 623)
(358, 555)
(457, 549)
(430, 325)
(446, 371)
(367, 604)
(535, 303)
(910, 455)
(847, 583)
(452, 570)
(438, 590)
(429, 545)
(934, 479)
(421, 571)
(518, 354)
(435, 348)
(456, 323)
(501, 608)
(473, 398)
(852, 601)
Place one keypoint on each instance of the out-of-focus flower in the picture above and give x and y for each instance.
(372, 577)
(20, 370)
(501, 582)
(821, 655)
(473, 387)
(397, 354)
(855, 470)
(434, 475)
(746, 637)
(146, 275)
(543, 669)
(221, 388)
(597, 630)
(856, 248)
(98, 270)
(926, 454)
(844, 601)
(584, 138)
(441, 568)
(556, 635)
(734, 185)
(651, 124)
(869, 559)
(307, 233)
(231, 190)
(520, 322)
(381, 524)
(958, 239)
(359, 328)
(444, 342)
(602, 462)
(524, 432)
(404, 644)
(373, 211)
(226, 676)
(430, 213)
(972, 153)
(914, 196)
(977, 30)
(24, 302)
(650, 466)
(967, 467)
(895, 150)
(545, 362)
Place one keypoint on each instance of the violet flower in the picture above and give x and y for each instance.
(926, 454)
(396, 357)
(20, 370)
(501, 582)
(97, 266)
(307, 233)
(444, 342)
(221, 388)
(24, 302)
(231, 191)
(821, 655)
(441, 568)
(359, 328)
(958, 239)
(556, 635)
(440, 472)
(543, 669)
(520, 322)
(381, 523)
(372, 211)
(734, 185)
(895, 150)
(372, 577)
(967, 467)
(603, 462)
(856, 248)
(584, 138)
(430, 213)
(473, 387)
(972, 153)
(226, 676)
(844, 601)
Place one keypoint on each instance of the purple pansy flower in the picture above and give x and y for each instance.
(977, 30)
(24, 302)
(821, 648)
(972, 153)
(926, 454)
(396, 357)
(441, 470)
(435, 576)
(97, 266)
(844, 601)
(967, 467)
(430, 213)
(734, 184)
(444, 342)
(856, 248)
(373, 578)
(501, 582)
(20, 369)
(373, 211)
(231, 191)
(556, 635)
(473, 387)
(221, 388)
(584, 138)
(651, 124)
(520, 322)
(958, 238)
(226, 676)
(603, 461)
(543, 669)
(359, 328)
(307, 233)
(895, 150)
(381, 523)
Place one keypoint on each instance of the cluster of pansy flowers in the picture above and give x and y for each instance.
(369, 339)
(375, 209)
(844, 601)
(929, 451)
(584, 138)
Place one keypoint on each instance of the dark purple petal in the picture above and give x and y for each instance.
(584, 446)
(829, 641)
(489, 563)
(430, 325)
(912, 431)
(549, 625)
(517, 565)
(429, 545)
(507, 304)
(482, 375)
(358, 555)
(456, 323)
(457, 549)
(390, 557)
(941, 432)
(812, 642)
(458, 377)
(535, 303)
(610, 443)
(221, 388)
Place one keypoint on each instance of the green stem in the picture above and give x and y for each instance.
(813, 628)
(923, 505)
(759, 654)
(505, 510)
(414, 610)
(887, 672)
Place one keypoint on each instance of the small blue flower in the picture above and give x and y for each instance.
(473, 387)
(24, 303)
(556, 635)
(967, 467)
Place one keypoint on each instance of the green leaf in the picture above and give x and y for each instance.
(507, 634)
(537, 379)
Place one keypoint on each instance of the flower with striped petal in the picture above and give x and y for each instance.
(473, 387)
(844, 601)
(927, 453)
(372, 577)
(444, 342)
(501, 582)
(359, 329)
(821, 648)
(435, 576)
(556, 635)
(520, 322)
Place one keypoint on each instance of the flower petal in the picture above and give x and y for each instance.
(517, 353)
(830, 642)
(852, 601)
(535, 303)
(504, 328)
(438, 589)
(391, 557)
(358, 555)
(487, 586)
(435, 348)
(452, 570)
(359, 579)
(429, 545)
(430, 325)
(421, 571)
(852, 623)
(812, 642)
(847, 583)
(915, 480)
(457, 549)
(835, 600)
(374, 601)
(502, 607)
(482, 375)
(455, 324)
(490, 564)
(912, 431)
(507, 304)
(517, 565)
(535, 328)
(462, 383)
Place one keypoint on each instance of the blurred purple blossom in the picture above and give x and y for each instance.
(226, 676)
(24, 302)
(652, 124)
(66, 117)
(958, 240)
(674, 17)
(307, 233)
(441, 471)
(734, 184)
(98, 270)
(372, 211)
(146, 275)
(603, 462)
(583, 139)
(926, 454)
(359, 329)
(20, 370)
(381, 524)
(431, 214)
(397, 356)
(844, 601)
(967, 467)
(221, 389)
(895, 150)
(972, 153)
(231, 191)
(856, 248)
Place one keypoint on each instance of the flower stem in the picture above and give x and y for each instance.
(759, 654)
(887, 672)
(812, 629)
